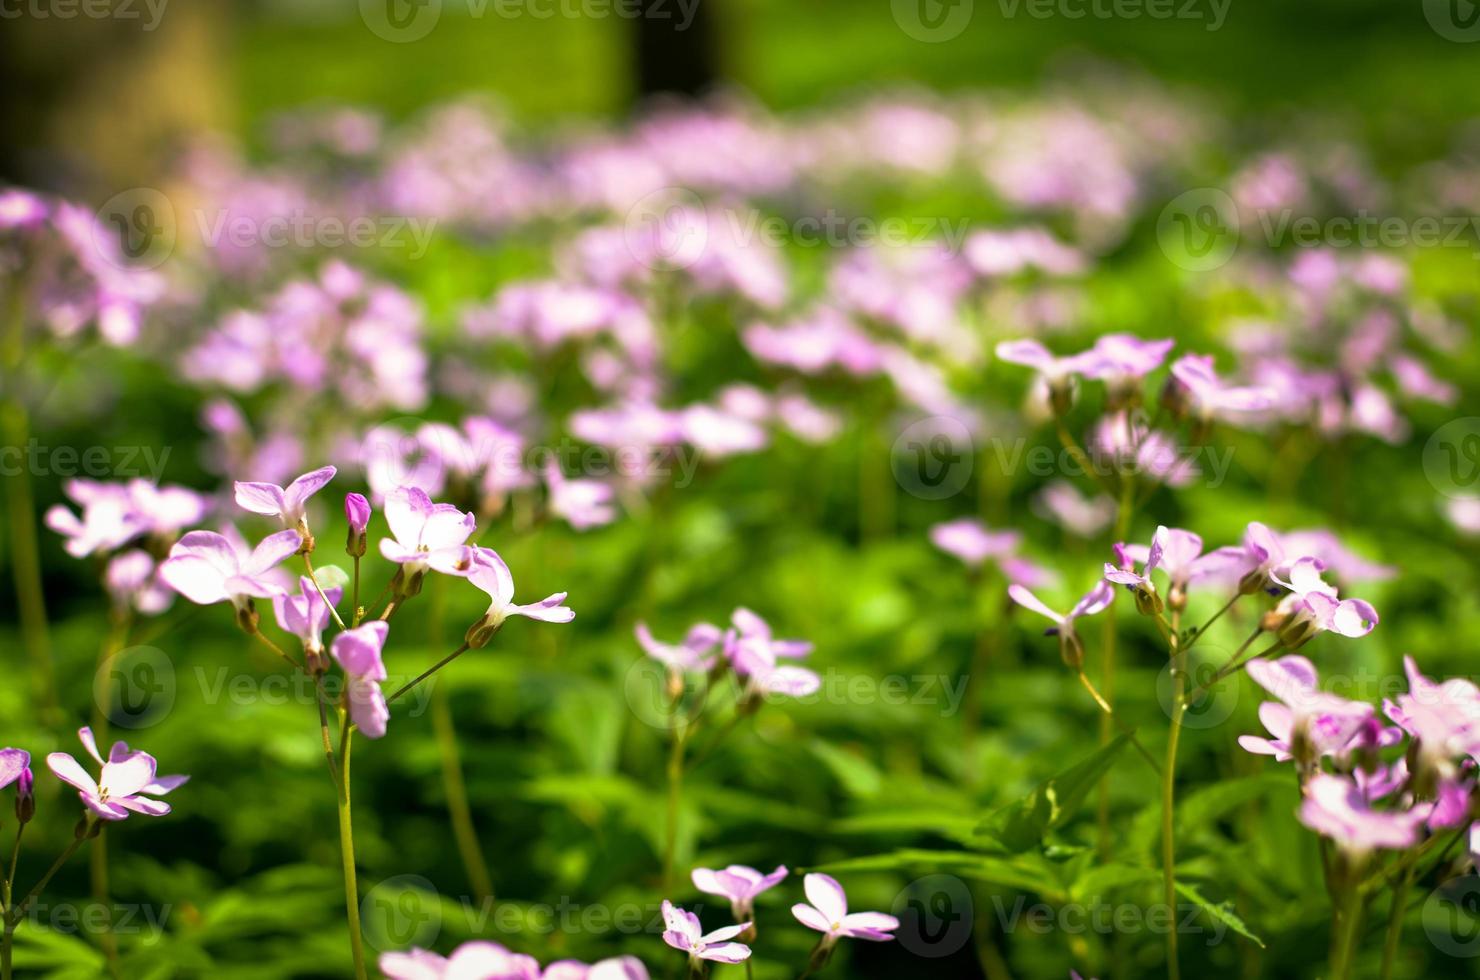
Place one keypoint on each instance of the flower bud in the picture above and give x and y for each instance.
(357, 511)
(1071, 648)
(482, 631)
(1148, 603)
(25, 800)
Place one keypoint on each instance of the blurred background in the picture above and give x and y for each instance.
(546, 738)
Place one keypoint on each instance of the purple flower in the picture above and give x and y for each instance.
(1309, 724)
(580, 503)
(1123, 359)
(971, 541)
(471, 961)
(1335, 807)
(426, 535)
(132, 580)
(305, 615)
(358, 651)
(1444, 719)
(1095, 600)
(284, 503)
(1030, 353)
(739, 884)
(15, 764)
(753, 654)
(689, 654)
(1312, 606)
(490, 574)
(829, 915)
(357, 512)
(1080, 516)
(108, 522)
(1208, 396)
(125, 778)
(685, 933)
(206, 567)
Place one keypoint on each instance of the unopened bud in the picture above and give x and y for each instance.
(357, 512)
(25, 800)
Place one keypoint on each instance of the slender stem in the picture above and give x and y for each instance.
(1233, 665)
(1124, 728)
(16, 913)
(322, 699)
(1072, 447)
(1347, 934)
(1123, 513)
(120, 622)
(308, 566)
(1168, 790)
(462, 649)
(1395, 924)
(265, 641)
(15, 859)
(25, 561)
(675, 789)
(347, 854)
(354, 607)
(1201, 630)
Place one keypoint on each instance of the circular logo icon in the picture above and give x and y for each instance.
(1454, 20)
(934, 916)
(135, 688)
(1451, 459)
(1198, 229)
(1210, 701)
(932, 458)
(404, 453)
(401, 912)
(401, 21)
(667, 228)
(932, 21)
(1451, 916)
(136, 229)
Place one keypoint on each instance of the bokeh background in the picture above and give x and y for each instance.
(563, 769)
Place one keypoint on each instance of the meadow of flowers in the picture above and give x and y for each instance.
(921, 535)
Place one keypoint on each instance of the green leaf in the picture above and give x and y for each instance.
(1020, 826)
(1221, 912)
(1103, 879)
(1200, 808)
(1024, 872)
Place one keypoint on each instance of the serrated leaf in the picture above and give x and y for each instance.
(1221, 912)
(1022, 825)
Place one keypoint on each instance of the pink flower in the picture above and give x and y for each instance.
(470, 961)
(1081, 516)
(1097, 599)
(284, 503)
(1055, 370)
(1442, 718)
(753, 653)
(1309, 724)
(1335, 807)
(490, 574)
(426, 535)
(971, 541)
(306, 614)
(1208, 396)
(1312, 607)
(358, 651)
(690, 654)
(14, 765)
(125, 778)
(132, 580)
(206, 567)
(829, 914)
(357, 512)
(739, 884)
(582, 503)
(109, 519)
(685, 933)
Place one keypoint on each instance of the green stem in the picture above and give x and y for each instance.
(675, 789)
(347, 854)
(308, 567)
(25, 561)
(462, 649)
(1395, 924)
(1168, 803)
(458, 808)
(1347, 934)
(15, 914)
